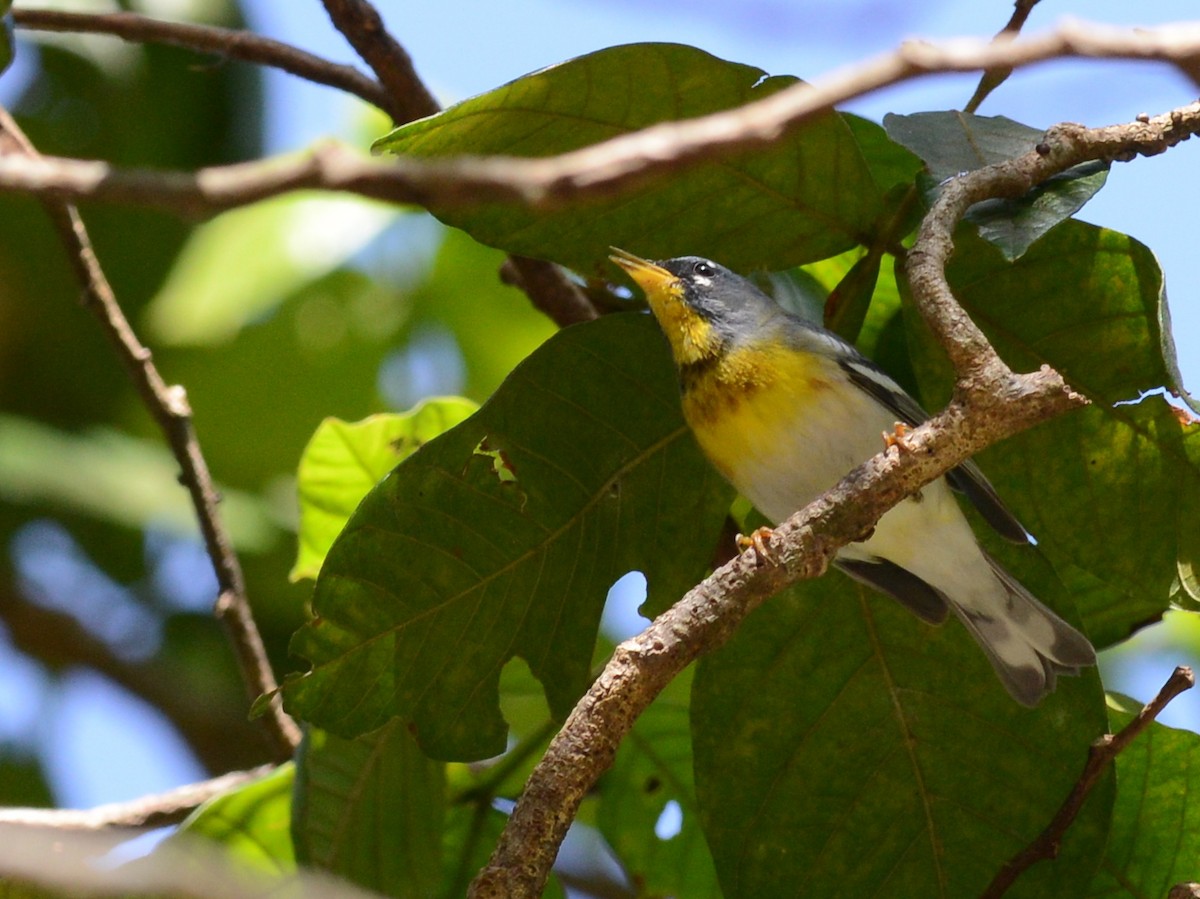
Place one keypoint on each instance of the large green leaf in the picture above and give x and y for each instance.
(955, 142)
(1155, 838)
(344, 460)
(501, 538)
(812, 194)
(371, 810)
(845, 748)
(1104, 489)
(648, 810)
(252, 822)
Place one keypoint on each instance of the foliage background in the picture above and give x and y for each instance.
(301, 325)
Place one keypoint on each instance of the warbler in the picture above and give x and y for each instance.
(784, 409)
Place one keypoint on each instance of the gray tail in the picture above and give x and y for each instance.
(1027, 644)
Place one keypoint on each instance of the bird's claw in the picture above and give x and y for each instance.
(758, 541)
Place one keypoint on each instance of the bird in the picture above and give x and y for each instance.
(784, 409)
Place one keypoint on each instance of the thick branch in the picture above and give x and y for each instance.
(359, 21)
(1103, 752)
(157, 810)
(229, 42)
(169, 407)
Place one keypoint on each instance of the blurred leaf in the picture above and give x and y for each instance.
(648, 810)
(116, 478)
(1155, 837)
(7, 49)
(955, 142)
(23, 781)
(494, 325)
(1104, 465)
(244, 263)
(810, 195)
(252, 822)
(371, 810)
(845, 748)
(501, 538)
(343, 461)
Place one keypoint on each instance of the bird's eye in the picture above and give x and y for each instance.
(703, 269)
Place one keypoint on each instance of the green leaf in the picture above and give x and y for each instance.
(845, 748)
(808, 196)
(343, 461)
(371, 810)
(501, 538)
(131, 482)
(245, 262)
(252, 822)
(1155, 837)
(849, 302)
(1084, 483)
(956, 142)
(648, 786)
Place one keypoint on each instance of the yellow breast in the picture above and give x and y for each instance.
(743, 409)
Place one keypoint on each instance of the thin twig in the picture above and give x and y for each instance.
(990, 403)
(546, 285)
(1101, 755)
(610, 168)
(156, 810)
(993, 78)
(230, 42)
(169, 406)
(549, 289)
(360, 22)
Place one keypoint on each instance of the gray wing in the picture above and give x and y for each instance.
(966, 478)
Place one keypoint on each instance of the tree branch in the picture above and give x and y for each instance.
(229, 42)
(990, 403)
(156, 810)
(610, 168)
(1103, 752)
(360, 23)
(169, 407)
(993, 78)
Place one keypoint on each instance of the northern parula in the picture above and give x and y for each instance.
(785, 409)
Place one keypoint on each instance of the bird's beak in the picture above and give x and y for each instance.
(652, 279)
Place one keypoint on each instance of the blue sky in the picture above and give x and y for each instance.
(463, 48)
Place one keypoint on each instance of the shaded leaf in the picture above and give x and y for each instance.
(501, 538)
(845, 748)
(1155, 838)
(848, 303)
(648, 811)
(951, 143)
(252, 822)
(1104, 489)
(344, 460)
(810, 195)
(7, 48)
(371, 810)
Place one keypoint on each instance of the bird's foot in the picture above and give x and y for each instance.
(758, 541)
(898, 437)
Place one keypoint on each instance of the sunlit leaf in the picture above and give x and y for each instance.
(954, 142)
(501, 538)
(344, 460)
(817, 191)
(845, 748)
(242, 264)
(253, 822)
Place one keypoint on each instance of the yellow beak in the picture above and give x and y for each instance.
(652, 279)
